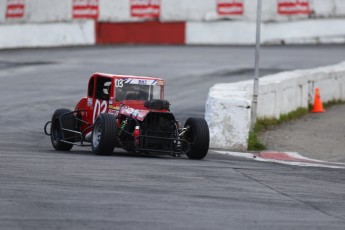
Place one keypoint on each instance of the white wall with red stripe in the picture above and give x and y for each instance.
(184, 21)
(166, 10)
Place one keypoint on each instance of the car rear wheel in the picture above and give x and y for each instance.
(57, 134)
(104, 136)
(198, 136)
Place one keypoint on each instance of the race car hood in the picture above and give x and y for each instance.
(137, 109)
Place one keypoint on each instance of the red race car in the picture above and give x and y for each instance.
(127, 112)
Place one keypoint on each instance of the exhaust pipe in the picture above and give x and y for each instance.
(88, 137)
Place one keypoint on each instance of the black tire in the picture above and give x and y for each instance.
(57, 134)
(104, 137)
(199, 137)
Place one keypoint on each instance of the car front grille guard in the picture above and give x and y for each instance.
(160, 133)
(169, 142)
(175, 146)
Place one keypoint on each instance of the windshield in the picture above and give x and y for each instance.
(135, 89)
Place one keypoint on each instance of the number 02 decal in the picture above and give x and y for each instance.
(118, 83)
(99, 108)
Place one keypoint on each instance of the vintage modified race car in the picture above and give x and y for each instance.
(127, 112)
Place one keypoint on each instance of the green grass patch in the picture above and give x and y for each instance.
(266, 123)
(333, 102)
(254, 144)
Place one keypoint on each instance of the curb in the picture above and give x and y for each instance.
(288, 158)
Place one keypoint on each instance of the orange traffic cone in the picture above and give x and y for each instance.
(318, 107)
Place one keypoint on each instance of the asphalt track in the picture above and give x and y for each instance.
(46, 189)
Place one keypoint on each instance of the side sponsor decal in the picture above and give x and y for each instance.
(292, 7)
(114, 107)
(111, 111)
(230, 7)
(85, 9)
(136, 113)
(15, 8)
(145, 8)
(142, 82)
(127, 110)
(100, 107)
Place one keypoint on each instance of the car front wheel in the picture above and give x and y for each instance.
(104, 136)
(198, 136)
(57, 134)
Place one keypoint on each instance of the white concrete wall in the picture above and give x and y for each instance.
(193, 10)
(206, 10)
(118, 10)
(227, 115)
(221, 32)
(182, 10)
(327, 8)
(47, 34)
(322, 8)
(2, 11)
(204, 25)
(171, 10)
(339, 8)
(228, 105)
(3, 19)
(40, 11)
(313, 31)
(43, 11)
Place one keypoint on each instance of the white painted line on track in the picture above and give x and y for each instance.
(288, 158)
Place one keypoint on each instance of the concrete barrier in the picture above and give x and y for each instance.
(339, 8)
(190, 33)
(172, 10)
(120, 10)
(228, 106)
(206, 10)
(311, 31)
(47, 35)
(191, 22)
(13, 11)
(43, 11)
(321, 8)
(191, 10)
(115, 11)
(2, 11)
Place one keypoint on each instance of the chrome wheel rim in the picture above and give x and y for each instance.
(96, 134)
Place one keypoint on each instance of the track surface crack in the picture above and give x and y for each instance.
(289, 196)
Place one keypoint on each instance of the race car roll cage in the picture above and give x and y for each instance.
(179, 141)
